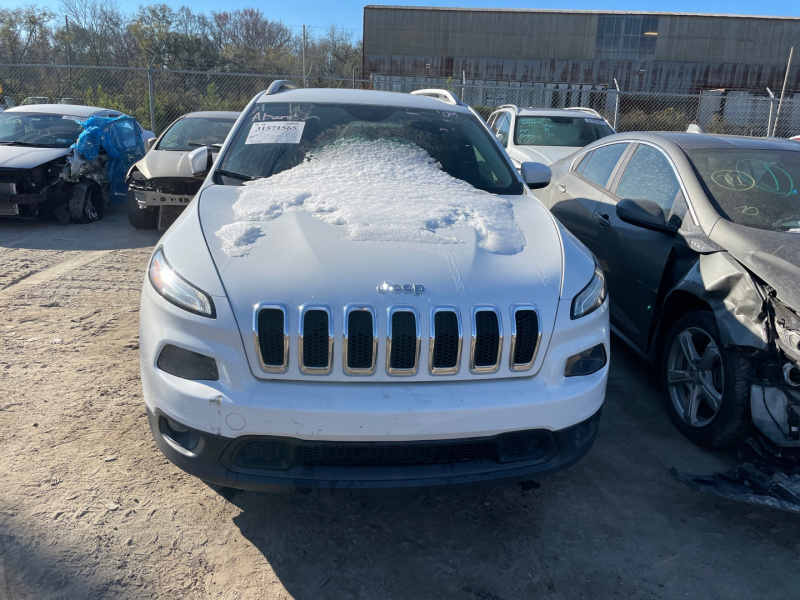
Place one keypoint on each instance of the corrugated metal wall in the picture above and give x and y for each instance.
(693, 52)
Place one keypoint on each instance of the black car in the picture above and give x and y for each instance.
(699, 236)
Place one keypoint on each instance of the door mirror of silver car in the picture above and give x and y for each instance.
(201, 161)
(643, 213)
(536, 175)
(149, 143)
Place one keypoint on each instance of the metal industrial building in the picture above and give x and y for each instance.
(645, 52)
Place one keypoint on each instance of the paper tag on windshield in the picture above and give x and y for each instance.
(596, 121)
(71, 118)
(276, 132)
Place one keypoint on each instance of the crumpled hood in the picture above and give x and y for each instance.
(162, 163)
(26, 157)
(301, 259)
(774, 256)
(541, 154)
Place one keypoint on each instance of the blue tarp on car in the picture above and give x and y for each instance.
(121, 139)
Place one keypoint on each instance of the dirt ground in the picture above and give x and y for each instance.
(90, 509)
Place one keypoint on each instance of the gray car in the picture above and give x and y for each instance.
(699, 236)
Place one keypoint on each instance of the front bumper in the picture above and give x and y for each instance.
(288, 464)
(149, 198)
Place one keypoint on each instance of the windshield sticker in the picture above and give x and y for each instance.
(262, 116)
(276, 132)
(596, 121)
(72, 118)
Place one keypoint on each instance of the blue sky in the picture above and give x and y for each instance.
(348, 14)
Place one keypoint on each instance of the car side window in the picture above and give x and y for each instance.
(502, 128)
(649, 176)
(601, 163)
(584, 159)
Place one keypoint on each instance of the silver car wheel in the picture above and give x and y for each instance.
(695, 376)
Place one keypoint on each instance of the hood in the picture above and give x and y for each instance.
(163, 163)
(774, 256)
(26, 157)
(541, 154)
(298, 258)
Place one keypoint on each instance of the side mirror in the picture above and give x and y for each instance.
(201, 161)
(643, 213)
(149, 143)
(536, 175)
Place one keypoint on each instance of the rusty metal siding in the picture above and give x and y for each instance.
(693, 52)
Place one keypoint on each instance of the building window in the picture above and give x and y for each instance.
(631, 37)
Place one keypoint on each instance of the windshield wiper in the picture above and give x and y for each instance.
(235, 175)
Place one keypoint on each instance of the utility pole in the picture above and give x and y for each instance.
(304, 56)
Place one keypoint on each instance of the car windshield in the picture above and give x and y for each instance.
(191, 133)
(560, 131)
(37, 129)
(752, 187)
(278, 136)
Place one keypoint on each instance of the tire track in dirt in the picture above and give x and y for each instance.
(37, 277)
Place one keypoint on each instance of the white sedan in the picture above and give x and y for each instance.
(365, 294)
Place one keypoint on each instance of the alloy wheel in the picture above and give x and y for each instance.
(695, 376)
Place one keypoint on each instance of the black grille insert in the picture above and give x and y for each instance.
(359, 340)
(446, 340)
(283, 454)
(316, 340)
(271, 337)
(403, 355)
(487, 339)
(527, 327)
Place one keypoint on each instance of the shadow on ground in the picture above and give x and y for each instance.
(110, 233)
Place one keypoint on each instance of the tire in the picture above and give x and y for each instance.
(87, 203)
(141, 218)
(705, 384)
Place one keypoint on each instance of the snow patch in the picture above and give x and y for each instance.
(377, 191)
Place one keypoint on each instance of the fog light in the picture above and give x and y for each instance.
(587, 362)
(187, 364)
(177, 434)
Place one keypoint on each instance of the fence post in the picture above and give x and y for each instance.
(769, 117)
(616, 104)
(152, 100)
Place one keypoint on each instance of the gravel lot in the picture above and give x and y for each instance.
(90, 509)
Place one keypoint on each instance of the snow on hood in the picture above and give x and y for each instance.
(378, 191)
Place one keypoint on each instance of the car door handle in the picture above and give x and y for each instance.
(603, 220)
(562, 189)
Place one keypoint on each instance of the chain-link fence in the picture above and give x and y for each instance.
(157, 97)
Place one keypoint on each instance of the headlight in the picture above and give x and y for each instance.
(590, 298)
(177, 290)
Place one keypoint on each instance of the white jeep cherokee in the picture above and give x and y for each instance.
(365, 294)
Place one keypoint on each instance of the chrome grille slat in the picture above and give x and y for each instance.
(487, 340)
(402, 341)
(444, 357)
(271, 329)
(359, 340)
(526, 335)
(315, 340)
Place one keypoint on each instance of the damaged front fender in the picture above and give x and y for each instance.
(736, 300)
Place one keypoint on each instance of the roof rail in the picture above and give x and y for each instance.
(281, 85)
(443, 95)
(584, 109)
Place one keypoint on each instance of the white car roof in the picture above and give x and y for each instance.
(75, 110)
(555, 112)
(337, 96)
(219, 114)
